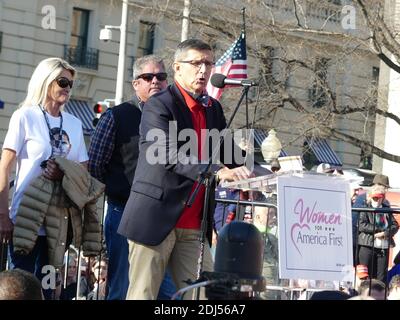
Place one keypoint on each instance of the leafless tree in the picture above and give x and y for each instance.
(300, 53)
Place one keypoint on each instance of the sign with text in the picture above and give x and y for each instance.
(315, 233)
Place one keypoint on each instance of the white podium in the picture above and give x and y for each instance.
(314, 223)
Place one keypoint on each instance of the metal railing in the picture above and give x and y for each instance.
(356, 247)
(82, 57)
(290, 290)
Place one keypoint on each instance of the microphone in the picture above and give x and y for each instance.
(219, 80)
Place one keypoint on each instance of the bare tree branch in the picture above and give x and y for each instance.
(296, 15)
(389, 62)
(362, 144)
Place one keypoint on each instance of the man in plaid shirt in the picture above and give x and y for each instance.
(113, 155)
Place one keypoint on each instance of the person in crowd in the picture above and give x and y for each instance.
(394, 288)
(113, 155)
(100, 284)
(358, 297)
(19, 284)
(31, 143)
(362, 272)
(330, 295)
(224, 212)
(377, 290)
(329, 169)
(357, 191)
(161, 228)
(265, 219)
(376, 230)
(395, 269)
(69, 278)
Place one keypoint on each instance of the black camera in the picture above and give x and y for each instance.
(238, 263)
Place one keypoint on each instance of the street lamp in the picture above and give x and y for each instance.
(106, 35)
(271, 147)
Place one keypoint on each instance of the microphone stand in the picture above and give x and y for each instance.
(206, 178)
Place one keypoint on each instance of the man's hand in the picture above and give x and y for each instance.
(240, 173)
(52, 171)
(379, 235)
(6, 227)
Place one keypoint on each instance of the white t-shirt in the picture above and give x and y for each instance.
(28, 135)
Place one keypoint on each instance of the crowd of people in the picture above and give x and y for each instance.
(151, 233)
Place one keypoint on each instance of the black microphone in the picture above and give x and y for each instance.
(219, 80)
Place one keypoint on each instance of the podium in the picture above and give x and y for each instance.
(268, 183)
(314, 230)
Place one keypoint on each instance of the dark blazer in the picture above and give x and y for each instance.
(160, 190)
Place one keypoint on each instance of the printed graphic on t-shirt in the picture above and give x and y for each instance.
(60, 148)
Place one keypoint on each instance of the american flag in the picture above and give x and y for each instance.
(232, 64)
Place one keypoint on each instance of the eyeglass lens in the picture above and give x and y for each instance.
(149, 76)
(64, 82)
(198, 64)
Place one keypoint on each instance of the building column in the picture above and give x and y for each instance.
(386, 130)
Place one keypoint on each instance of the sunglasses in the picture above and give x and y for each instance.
(162, 76)
(64, 82)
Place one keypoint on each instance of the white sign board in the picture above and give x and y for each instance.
(315, 230)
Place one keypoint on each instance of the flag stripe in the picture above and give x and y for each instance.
(232, 64)
(241, 62)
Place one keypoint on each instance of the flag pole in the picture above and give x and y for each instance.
(244, 36)
(244, 22)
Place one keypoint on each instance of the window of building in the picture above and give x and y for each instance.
(365, 160)
(317, 93)
(375, 75)
(374, 87)
(146, 39)
(80, 28)
(78, 53)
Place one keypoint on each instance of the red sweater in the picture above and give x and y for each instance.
(191, 216)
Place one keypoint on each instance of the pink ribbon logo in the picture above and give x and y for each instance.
(297, 225)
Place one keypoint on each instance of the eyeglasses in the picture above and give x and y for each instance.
(198, 63)
(161, 76)
(64, 82)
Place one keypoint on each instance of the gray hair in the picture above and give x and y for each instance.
(139, 64)
(189, 44)
(46, 71)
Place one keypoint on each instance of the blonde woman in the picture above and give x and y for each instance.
(32, 140)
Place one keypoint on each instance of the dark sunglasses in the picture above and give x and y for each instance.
(64, 82)
(162, 76)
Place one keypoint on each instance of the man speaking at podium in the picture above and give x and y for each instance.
(161, 228)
